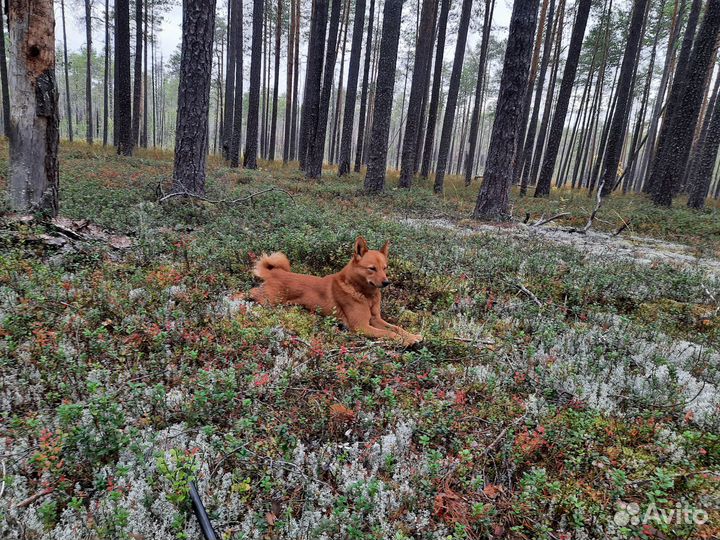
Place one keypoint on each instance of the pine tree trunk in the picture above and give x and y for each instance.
(423, 56)
(451, 103)
(153, 58)
(694, 161)
(316, 143)
(123, 103)
(477, 105)
(402, 112)
(88, 73)
(674, 148)
(144, 136)
(364, 91)
(524, 117)
(236, 137)
(523, 164)
(191, 133)
(289, 96)
(630, 176)
(706, 161)
(435, 95)
(276, 87)
(677, 87)
(494, 198)
(313, 80)
(266, 84)
(137, 80)
(251, 139)
(384, 89)
(568, 80)
(296, 85)
(3, 68)
(351, 93)
(232, 48)
(338, 102)
(549, 95)
(106, 80)
(618, 127)
(34, 120)
(660, 96)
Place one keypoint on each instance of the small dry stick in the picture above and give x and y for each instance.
(32, 498)
(542, 221)
(527, 291)
(246, 198)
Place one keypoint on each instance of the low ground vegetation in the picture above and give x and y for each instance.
(554, 385)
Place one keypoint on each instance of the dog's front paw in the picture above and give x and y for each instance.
(412, 339)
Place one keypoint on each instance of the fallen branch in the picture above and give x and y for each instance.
(624, 226)
(32, 498)
(243, 199)
(474, 341)
(527, 291)
(503, 432)
(542, 221)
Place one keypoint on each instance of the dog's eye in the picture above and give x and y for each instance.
(372, 268)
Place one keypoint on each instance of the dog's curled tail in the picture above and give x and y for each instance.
(267, 263)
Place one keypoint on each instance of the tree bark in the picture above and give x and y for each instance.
(316, 142)
(435, 95)
(351, 92)
(385, 87)
(137, 82)
(660, 96)
(236, 136)
(34, 121)
(451, 103)
(191, 133)
(523, 163)
(289, 96)
(3, 69)
(423, 56)
(338, 103)
(707, 157)
(227, 131)
(674, 150)
(143, 137)
(296, 84)
(313, 79)
(364, 90)
(618, 126)
(477, 105)
(566, 86)
(251, 138)
(123, 103)
(677, 90)
(106, 81)
(88, 74)
(494, 198)
(273, 125)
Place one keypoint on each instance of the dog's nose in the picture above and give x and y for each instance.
(385, 283)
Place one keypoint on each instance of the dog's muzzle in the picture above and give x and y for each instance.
(385, 284)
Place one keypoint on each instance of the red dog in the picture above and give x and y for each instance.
(353, 294)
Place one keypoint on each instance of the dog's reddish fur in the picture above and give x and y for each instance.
(352, 295)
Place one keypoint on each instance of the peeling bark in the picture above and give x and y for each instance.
(34, 121)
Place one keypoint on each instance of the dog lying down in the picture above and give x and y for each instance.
(352, 295)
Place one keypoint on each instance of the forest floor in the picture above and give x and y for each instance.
(562, 377)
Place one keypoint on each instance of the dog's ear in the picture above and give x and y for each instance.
(361, 247)
(385, 249)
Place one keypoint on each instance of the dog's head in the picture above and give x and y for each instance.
(371, 264)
